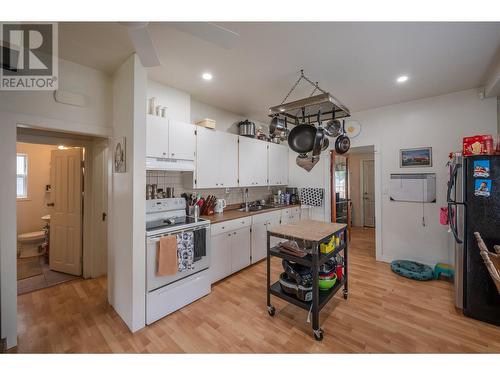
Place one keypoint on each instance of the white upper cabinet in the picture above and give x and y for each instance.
(156, 137)
(252, 162)
(169, 138)
(278, 164)
(216, 159)
(181, 140)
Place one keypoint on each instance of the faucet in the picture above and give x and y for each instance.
(245, 199)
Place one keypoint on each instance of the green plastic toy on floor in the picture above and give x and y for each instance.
(443, 269)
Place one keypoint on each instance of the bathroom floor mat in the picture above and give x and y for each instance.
(28, 267)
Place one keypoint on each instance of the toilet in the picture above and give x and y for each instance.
(30, 244)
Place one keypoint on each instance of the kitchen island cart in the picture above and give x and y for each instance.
(313, 233)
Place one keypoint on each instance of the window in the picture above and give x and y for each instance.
(22, 176)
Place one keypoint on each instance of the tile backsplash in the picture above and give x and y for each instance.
(165, 179)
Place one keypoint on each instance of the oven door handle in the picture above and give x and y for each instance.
(156, 238)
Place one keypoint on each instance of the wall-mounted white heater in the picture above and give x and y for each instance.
(413, 187)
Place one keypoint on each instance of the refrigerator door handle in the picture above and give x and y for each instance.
(453, 181)
(451, 220)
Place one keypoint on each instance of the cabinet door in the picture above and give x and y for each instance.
(181, 140)
(206, 158)
(220, 265)
(259, 241)
(278, 164)
(240, 249)
(252, 166)
(226, 168)
(275, 221)
(294, 215)
(156, 137)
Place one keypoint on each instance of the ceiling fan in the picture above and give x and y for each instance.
(207, 31)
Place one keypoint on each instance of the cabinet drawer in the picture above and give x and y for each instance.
(230, 225)
(268, 216)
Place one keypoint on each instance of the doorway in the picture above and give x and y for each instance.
(362, 198)
(61, 191)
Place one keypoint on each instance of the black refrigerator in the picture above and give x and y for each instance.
(474, 206)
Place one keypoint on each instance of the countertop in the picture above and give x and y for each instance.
(235, 214)
(309, 230)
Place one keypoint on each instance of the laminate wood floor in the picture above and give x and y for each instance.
(385, 313)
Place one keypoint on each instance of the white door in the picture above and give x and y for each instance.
(220, 265)
(259, 241)
(252, 165)
(65, 254)
(156, 137)
(240, 249)
(368, 193)
(278, 164)
(275, 221)
(181, 140)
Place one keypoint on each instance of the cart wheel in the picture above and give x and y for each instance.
(345, 294)
(271, 310)
(318, 335)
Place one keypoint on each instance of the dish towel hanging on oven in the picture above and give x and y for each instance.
(311, 197)
(185, 251)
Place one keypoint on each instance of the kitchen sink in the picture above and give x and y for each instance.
(259, 208)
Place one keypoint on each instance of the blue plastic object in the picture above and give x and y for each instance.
(412, 270)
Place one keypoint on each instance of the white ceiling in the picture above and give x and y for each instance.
(356, 62)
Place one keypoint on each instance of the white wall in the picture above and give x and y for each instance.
(40, 110)
(93, 84)
(439, 122)
(178, 102)
(127, 221)
(31, 210)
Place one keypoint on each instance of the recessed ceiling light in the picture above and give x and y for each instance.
(207, 76)
(402, 79)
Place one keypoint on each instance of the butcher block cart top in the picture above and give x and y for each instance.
(316, 233)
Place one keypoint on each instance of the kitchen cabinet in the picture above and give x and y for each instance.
(230, 248)
(252, 162)
(181, 140)
(220, 265)
(240, 249)
(169, 138)
(157, 137)
(216, 159)
(260, 224)
(290, 215)
(277, 164)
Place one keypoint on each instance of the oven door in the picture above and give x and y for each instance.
(152, 242)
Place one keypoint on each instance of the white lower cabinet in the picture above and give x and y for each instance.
(240, 249)
(260, 224)
(230, 248)
(220, 264)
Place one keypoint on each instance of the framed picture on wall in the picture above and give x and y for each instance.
(415, 157)
(119, 153)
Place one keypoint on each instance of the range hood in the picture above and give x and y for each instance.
(165, 164)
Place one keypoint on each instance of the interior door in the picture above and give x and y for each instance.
(368, 193)
(181, 140)
(66, 217)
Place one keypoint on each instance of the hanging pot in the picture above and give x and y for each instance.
(342, 143)
(318, 138)
(301, 138)
(278, 126)
(333, 128)
(326, 144)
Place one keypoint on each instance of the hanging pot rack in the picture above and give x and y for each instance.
(307, 109)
